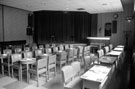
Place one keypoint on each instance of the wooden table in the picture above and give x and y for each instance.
(118, 49)
(120, 56)
(108, 59)
(114, 53)
(96, 77)
(27, 62)
(120, 46)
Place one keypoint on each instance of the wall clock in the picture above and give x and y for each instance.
(115, 16)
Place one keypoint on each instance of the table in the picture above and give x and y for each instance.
(27, 62)
(120, 46)
(120, 56)
(95, 77)
(114, 53)
(118, 49)
(108, 59)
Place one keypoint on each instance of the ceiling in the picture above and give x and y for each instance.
(90, 6)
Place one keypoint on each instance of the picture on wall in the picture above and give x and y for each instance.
(108, 29)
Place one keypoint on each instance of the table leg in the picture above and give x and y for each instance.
(27, 72)
(20, 75)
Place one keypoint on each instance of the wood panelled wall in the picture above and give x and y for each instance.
(122, 26)
(1, 24)
(13, 24)
(63, 26)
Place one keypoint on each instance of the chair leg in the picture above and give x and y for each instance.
(37, 80)
(48, 73)
(55, 71)
(3, 70)
(8, 70)
(46, 77)
(12, 72)
(28, 78)
(19, 75)
(60, 66)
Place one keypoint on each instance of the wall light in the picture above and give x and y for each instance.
(129, 18)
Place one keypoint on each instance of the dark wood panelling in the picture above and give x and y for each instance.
(114, 26)
(94, 25)
(64, 26)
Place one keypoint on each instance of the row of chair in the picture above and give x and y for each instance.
(105, 50)
(65, 55)
(41, 65)
(89, 58)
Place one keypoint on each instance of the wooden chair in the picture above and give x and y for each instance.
(110, 47)
(69, 79)
(15, 63)
(85, 51)
(70, 56)
(102, 52)
(87, 62)
(106, 48)
(80, 51)
(41, 68)
(66, 46)
(6, 61)
(75, 52)
(71, 46)
(99, 53)
(77, 68)
(52, 64)
(18, 50)
(62, 58)
(28, 54)
(34, 47)
(47, 45)
(61, 47)
(67, 74)
(48, 50)
(26, 48)
(38, 52)
(41, 46)
(55, 49)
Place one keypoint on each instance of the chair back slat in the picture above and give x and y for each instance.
(48, 50)
(52, 59)
(7, 51)
(16, 57)
(63, 55)
(38, 52)
(66, 46)
(18, 50)
(76, 67)
(55, 49)
(28, 54)
(42, 63)
(67, 73)
(61, 47)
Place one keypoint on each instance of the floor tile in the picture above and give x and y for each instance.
(6, 80)
(16, 85)
(34, 87)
